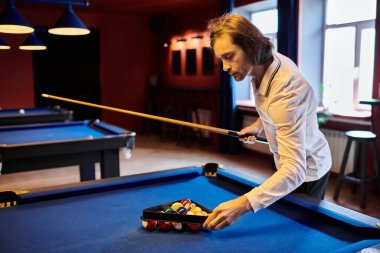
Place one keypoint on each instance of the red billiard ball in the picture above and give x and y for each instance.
(165, 225)
(194, 227)
(149, 224)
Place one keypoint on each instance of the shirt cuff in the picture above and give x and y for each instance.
(254, 199)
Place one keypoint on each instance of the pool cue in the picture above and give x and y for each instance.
(167, 120)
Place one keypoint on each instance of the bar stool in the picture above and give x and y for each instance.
(359, 176)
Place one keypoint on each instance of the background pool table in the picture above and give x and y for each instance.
(51, 145)
(105, 217)
(34, 115)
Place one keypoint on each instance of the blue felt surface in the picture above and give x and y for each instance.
(42, 134)
(366, 246)
(27, 111)
(110, 222)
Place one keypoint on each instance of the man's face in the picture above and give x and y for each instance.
(233, 58)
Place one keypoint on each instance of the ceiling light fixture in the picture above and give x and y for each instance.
(69, 24)
(3, 44)
(32, 43)
(11, 21)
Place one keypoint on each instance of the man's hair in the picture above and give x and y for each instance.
(243, 34)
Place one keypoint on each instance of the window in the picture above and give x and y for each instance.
(263, 15)
(348, 63)
(267, 22)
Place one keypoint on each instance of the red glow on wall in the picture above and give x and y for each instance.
(183, 42)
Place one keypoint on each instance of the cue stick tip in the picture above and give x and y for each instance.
(45, 95)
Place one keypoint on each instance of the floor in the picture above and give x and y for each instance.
(151, 154)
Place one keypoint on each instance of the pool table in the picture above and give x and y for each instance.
(105, 216)
(51, 145)
(34, 115)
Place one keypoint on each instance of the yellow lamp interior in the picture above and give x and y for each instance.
(32, 47)
(69, 31)
(16, 29)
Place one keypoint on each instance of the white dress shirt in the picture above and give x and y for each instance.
(286, 104)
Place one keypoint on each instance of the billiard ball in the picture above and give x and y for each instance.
(168, 209)
(182, 210)
(176, 205)
(194, 227)
(187, 203)
(149, 224)
(21, 111)
(195, 210)
(165, 225)
(177, 226)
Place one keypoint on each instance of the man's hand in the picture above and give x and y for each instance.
(253, 129)
(227, 213)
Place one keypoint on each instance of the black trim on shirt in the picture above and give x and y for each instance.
(273, 74)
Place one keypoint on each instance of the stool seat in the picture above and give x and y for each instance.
(361, 135)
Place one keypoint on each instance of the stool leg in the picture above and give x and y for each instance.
(356, 165)
(342, 169)
(376, 164)
(363, 180)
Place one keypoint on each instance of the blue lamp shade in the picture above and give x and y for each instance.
(69, 24)
(11, 21)
(32, 43)
(3, 44)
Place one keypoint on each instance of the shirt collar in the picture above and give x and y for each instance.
(266, 82)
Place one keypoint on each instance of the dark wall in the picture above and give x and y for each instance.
(130, 52)
(126, 53)
(70, 68)
(188, 25)
(16, 75)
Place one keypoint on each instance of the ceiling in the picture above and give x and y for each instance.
(126, 7)
(149, 6)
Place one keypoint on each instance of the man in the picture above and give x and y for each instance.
(287, 109)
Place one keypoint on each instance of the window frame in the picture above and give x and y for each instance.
(359, 27)
(317, 8)
(272, 36)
